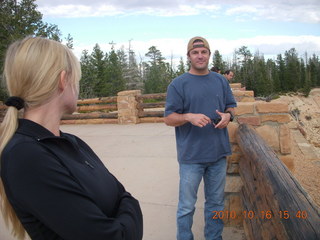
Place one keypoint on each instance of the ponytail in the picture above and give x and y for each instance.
(7, 129)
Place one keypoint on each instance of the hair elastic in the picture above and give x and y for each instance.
(16, 102)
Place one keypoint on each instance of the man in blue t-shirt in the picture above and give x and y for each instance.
(200, 105)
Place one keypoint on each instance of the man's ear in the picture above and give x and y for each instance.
(188, 57)
(62, 81)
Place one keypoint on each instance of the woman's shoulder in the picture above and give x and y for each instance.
(20, 143)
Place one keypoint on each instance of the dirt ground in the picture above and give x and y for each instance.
(306, 118)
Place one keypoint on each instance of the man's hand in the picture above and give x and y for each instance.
(225, 119)
(198, 119)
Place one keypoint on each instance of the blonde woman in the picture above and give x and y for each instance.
(53, 186)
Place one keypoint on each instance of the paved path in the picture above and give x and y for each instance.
(143, 158)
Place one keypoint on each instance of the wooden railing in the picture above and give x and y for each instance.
(151, 109)
(105, 109)
(95, 108)
(275, 205)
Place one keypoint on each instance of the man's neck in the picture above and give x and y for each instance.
(199, 72)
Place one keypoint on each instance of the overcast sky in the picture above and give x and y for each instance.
(270, 26)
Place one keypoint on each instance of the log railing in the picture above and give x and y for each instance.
(106, 109)
(275, 205)
(151, 109)
(93, 105)
(94, 110)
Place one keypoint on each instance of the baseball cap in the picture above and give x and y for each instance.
(193, 43)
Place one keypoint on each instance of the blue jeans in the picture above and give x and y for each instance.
(214, 176)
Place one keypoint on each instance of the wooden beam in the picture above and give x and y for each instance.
(151, 114)
(153, 96)
(112, 99)
(94, 115)
(276, 206)
(91, 108)
(152, 105)
(90, 121)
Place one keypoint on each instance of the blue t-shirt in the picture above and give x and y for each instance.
(200, 94)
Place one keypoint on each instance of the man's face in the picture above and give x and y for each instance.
(199, 59)
(230, 76)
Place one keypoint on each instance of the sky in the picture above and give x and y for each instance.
(269, 27)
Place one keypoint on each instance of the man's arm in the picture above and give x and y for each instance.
(178, 119)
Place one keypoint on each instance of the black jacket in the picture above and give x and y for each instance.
(60, 189)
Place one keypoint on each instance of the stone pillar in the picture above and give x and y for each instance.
(127, 102)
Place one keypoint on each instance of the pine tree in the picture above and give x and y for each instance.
(181, 67)
(314, 71)
(69, 40)
(98, 62)
(217, 60)
(157, 72)
(114, 74)
(19, 19)
(88, 78)
(262, 85)
(243, 60)
(302, 71)
(281, 71)
(273, 75)
(307, 85)
(292, 73)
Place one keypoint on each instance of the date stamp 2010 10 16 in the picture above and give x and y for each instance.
(268, 214)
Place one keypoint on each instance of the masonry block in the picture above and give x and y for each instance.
(239, 93)
(279, 118)
(251, 120)
(235, 157)
(232, 130)
(130, 93)
(270, 135)
(235, 85)
(244, 108)
(272, 107)
(285, 139)
(288, 160)
(247, 99)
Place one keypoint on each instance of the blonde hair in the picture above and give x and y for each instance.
(32, 70)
